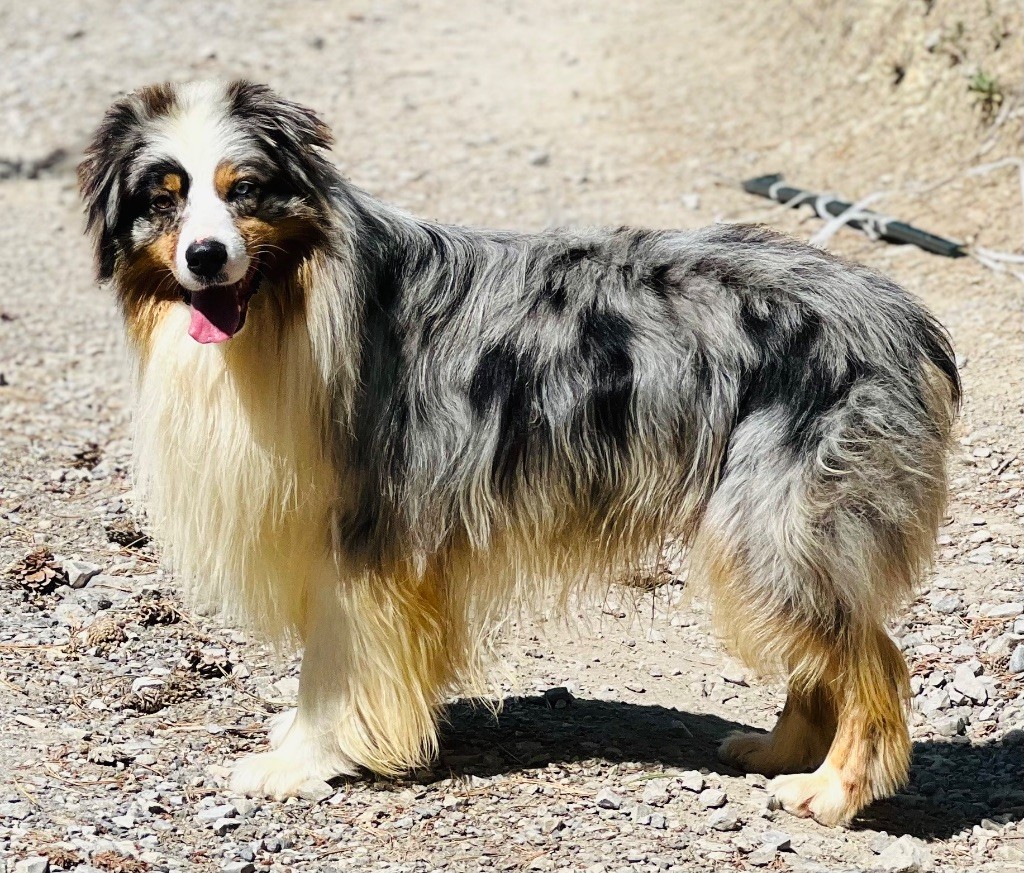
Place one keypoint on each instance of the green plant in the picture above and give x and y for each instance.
(988, 94)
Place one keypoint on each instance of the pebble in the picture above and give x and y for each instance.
(80, 573)
(222, 825)
(970, 685)
(712, 798)
(212, 813)
(608, 799)
(656, 792)
(1003, 610)
(724, 820)
(315, 790)
(239, 867)
(778, 840)
(692, 780)
(762, 857)
(1016, 664)
(905, 855)
(32, 864)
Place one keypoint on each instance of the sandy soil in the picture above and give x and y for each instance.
(516, 115)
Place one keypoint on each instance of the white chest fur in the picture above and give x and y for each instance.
(233, 466)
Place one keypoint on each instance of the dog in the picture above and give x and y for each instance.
(378, 437)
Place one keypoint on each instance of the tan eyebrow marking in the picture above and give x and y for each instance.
(224, 177)
(172, 182)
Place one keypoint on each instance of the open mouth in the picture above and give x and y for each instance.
(218, 311)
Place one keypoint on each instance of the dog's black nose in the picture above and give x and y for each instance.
(206, 257)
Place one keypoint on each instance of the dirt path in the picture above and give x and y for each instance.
(517, 115)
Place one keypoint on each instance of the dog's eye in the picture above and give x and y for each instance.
(243, 188)
(162, 203)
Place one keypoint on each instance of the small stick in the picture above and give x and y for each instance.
(872, 223)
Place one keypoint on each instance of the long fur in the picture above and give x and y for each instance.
(422, 428)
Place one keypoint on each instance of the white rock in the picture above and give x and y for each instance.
(712, 798)
(1016, 664)
(80, 572)
(32, 864)
(315, 790)
(692, 780)
(656, 792)
(906, 855)
(608, 799)
(969, 685)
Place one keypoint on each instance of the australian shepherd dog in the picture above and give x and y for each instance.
(379, 437)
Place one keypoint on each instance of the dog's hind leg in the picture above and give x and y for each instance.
(804, 564)
(373, 674)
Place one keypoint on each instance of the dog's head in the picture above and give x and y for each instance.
(204, 192)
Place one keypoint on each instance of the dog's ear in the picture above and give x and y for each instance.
(102, 172)
(292, 134)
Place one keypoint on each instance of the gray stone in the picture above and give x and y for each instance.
(946, 604)
(288, 687)
(32, 864)
(778, 840)
(712, 798)
(949, 726)
(239, 867)
(762, 857)
(906, 855)
(222, 825)
(1003, 610)
(16, 809)
(692, 780)
(969, 685)
(71, 613)
(80, 573)
(212, 813)
(1016, 664)
(724, 820)
(642, 813)
(656, 792)
(315, 790)
(608, 799)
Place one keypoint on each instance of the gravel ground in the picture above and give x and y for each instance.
(120, 708)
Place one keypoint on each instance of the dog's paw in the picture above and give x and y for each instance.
(280, 774)
(278, 726)
(765, 753)
(820, 795)
(750, 752)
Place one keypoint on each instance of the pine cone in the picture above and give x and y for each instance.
(125, 532)
(87, 458)
(175, 688)
(158, 611)
(112, 862)
(206, 664)
(104, 632)
(38, 572)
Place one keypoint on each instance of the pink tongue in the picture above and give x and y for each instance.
(216, 315)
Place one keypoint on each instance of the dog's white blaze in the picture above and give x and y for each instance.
(199, 135)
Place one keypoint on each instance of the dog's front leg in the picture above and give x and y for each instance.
(373, 674)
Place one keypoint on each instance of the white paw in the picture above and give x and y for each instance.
(278, 725)
(279, 774)
(819, 795)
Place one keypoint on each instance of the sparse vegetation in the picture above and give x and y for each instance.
(988, 94)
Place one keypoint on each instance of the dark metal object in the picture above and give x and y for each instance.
(870, 222)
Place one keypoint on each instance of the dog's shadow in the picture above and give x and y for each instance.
(953, 785)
